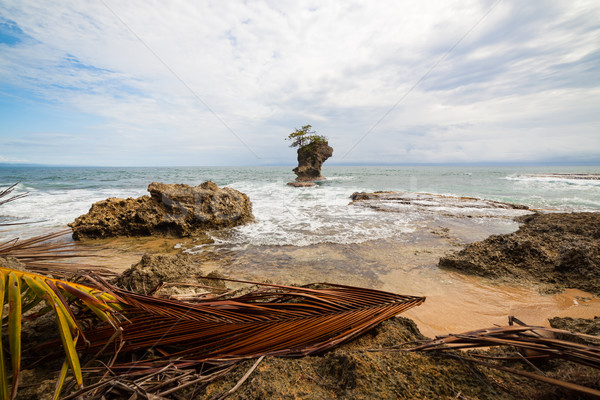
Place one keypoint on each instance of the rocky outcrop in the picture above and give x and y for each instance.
(431, 200)
(170, 210)
(560, 250)
(310, 160)
(155, 269)
(301, 184)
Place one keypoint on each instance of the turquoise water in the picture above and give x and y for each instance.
(300, 216)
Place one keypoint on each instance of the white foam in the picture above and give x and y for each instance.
(56, 208)
(555, 180)
(306, 216)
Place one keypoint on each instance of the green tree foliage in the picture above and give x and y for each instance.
(304, 137)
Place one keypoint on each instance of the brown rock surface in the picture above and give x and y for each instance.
(170, 210)
(560, 250)
(152, 270)
(301, 184)
(430, 200)
(310, 160)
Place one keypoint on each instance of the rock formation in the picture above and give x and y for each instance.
(310, 160)
(170, 210)
(557, 250)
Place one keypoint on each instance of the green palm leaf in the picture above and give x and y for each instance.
(3, 376)
(26, 289)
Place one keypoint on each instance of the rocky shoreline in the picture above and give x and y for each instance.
(557, 251)
(554, 251)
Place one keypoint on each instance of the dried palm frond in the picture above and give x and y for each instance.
(8, 191)
(534, 342)
(41, 254)
(274, 320)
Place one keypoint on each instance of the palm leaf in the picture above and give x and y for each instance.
(8, 191)
(3, 376)
(274, 320)
(537, 340)
(24, 289)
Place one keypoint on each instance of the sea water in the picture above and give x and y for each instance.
(313, 234)
(296, 216)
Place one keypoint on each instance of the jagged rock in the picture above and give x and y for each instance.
(154, 269)
(310, 160)
(559, 250)
(170, 210)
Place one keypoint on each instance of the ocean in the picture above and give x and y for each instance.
(296, 216)
(313, 234)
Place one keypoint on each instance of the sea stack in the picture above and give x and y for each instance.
(310, 160)
(313, 150)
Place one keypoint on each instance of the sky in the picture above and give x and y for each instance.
(201, 83)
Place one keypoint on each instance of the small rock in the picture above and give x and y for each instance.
(301, 184)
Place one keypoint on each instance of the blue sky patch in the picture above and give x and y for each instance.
(10, 33)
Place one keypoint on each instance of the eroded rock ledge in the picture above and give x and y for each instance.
(560, 250)
(170, 210)
(431, 200)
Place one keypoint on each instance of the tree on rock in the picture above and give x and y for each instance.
(304, 136)
(313, 150)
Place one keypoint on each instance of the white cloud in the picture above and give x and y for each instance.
(527, 72)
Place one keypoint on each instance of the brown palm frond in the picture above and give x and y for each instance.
(533, 342)
(6, 192)
(41, 253)
(536, 340)
(274, 320)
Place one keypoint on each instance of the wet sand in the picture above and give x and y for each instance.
(407, 265)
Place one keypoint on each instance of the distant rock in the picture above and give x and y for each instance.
(427, 203)
(310, 160)
(301, 184)
(170, 210)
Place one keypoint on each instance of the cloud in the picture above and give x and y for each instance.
(148, 73)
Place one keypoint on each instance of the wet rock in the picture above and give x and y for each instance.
(301, 184)
(170, 210)
(152, 270)
(430, 200)
(561, 250)
(310, 160)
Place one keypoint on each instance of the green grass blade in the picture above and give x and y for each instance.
(14, 328)
(3, 378)
(61, 379)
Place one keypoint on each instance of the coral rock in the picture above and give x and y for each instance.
(170, 210)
